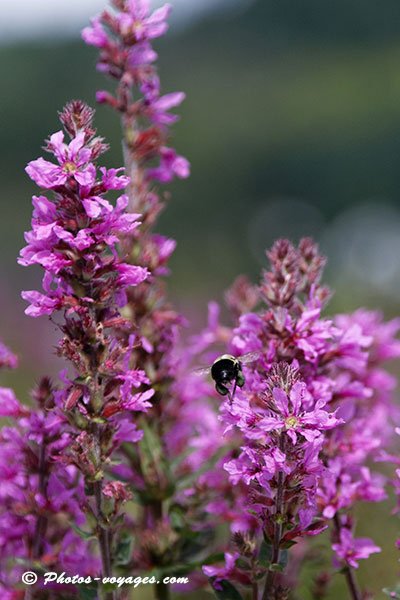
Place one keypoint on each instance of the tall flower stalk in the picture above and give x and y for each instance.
(316, 408)
(73, 238)
(156, 470)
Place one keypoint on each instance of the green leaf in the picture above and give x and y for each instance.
(153, 464)
(287, 544)
(276, 567)
(82, 379)
(99, 420)
(87, 592)
(109, 587)
(194, 543)
(393, 592)
(213, 558)
(267, 538)
(118, 520)
(177, 517)
(123, 550)
(172, 570)
(243, 564)
(182, 569)
(178, 460)
(89, 489)
(283, 558)
(228, 591)
(265, 553)
(187, 480)
(84, 535)
(190, 550)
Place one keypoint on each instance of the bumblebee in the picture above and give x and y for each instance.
(227, 369)
(224, 370)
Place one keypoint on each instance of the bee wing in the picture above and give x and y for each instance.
(249, 357)
(200, 372)
(244, 359)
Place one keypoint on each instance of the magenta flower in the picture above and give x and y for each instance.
(9, 405)
(224, 572)
(95, 35)
(130, 274)
(158, 110)
(257, 465)
(311, 333)
(40, 304)
(7, 358)
(337, 490)
(141, 54)
(292, 419)
(117, 490)
(171, 164)
(139, 23)
(73, 162)
(111, 180)
(351, 549)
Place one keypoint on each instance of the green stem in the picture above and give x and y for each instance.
(269, 582)
(161, 589)
(103, 532)
(41, 523)
(254, 588)
(162, 592)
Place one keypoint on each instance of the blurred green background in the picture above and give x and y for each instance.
(292, 127)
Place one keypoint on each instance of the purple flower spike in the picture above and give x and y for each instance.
(124, 40)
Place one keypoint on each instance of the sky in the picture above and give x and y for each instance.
(55, 18)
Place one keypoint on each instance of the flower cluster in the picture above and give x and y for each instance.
(9, 404)
(124, 40)
(39, 496)
(74, 239)
(315, 410)
(162, 471)
(364, 397)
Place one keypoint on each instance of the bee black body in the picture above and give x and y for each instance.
(225, 369)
